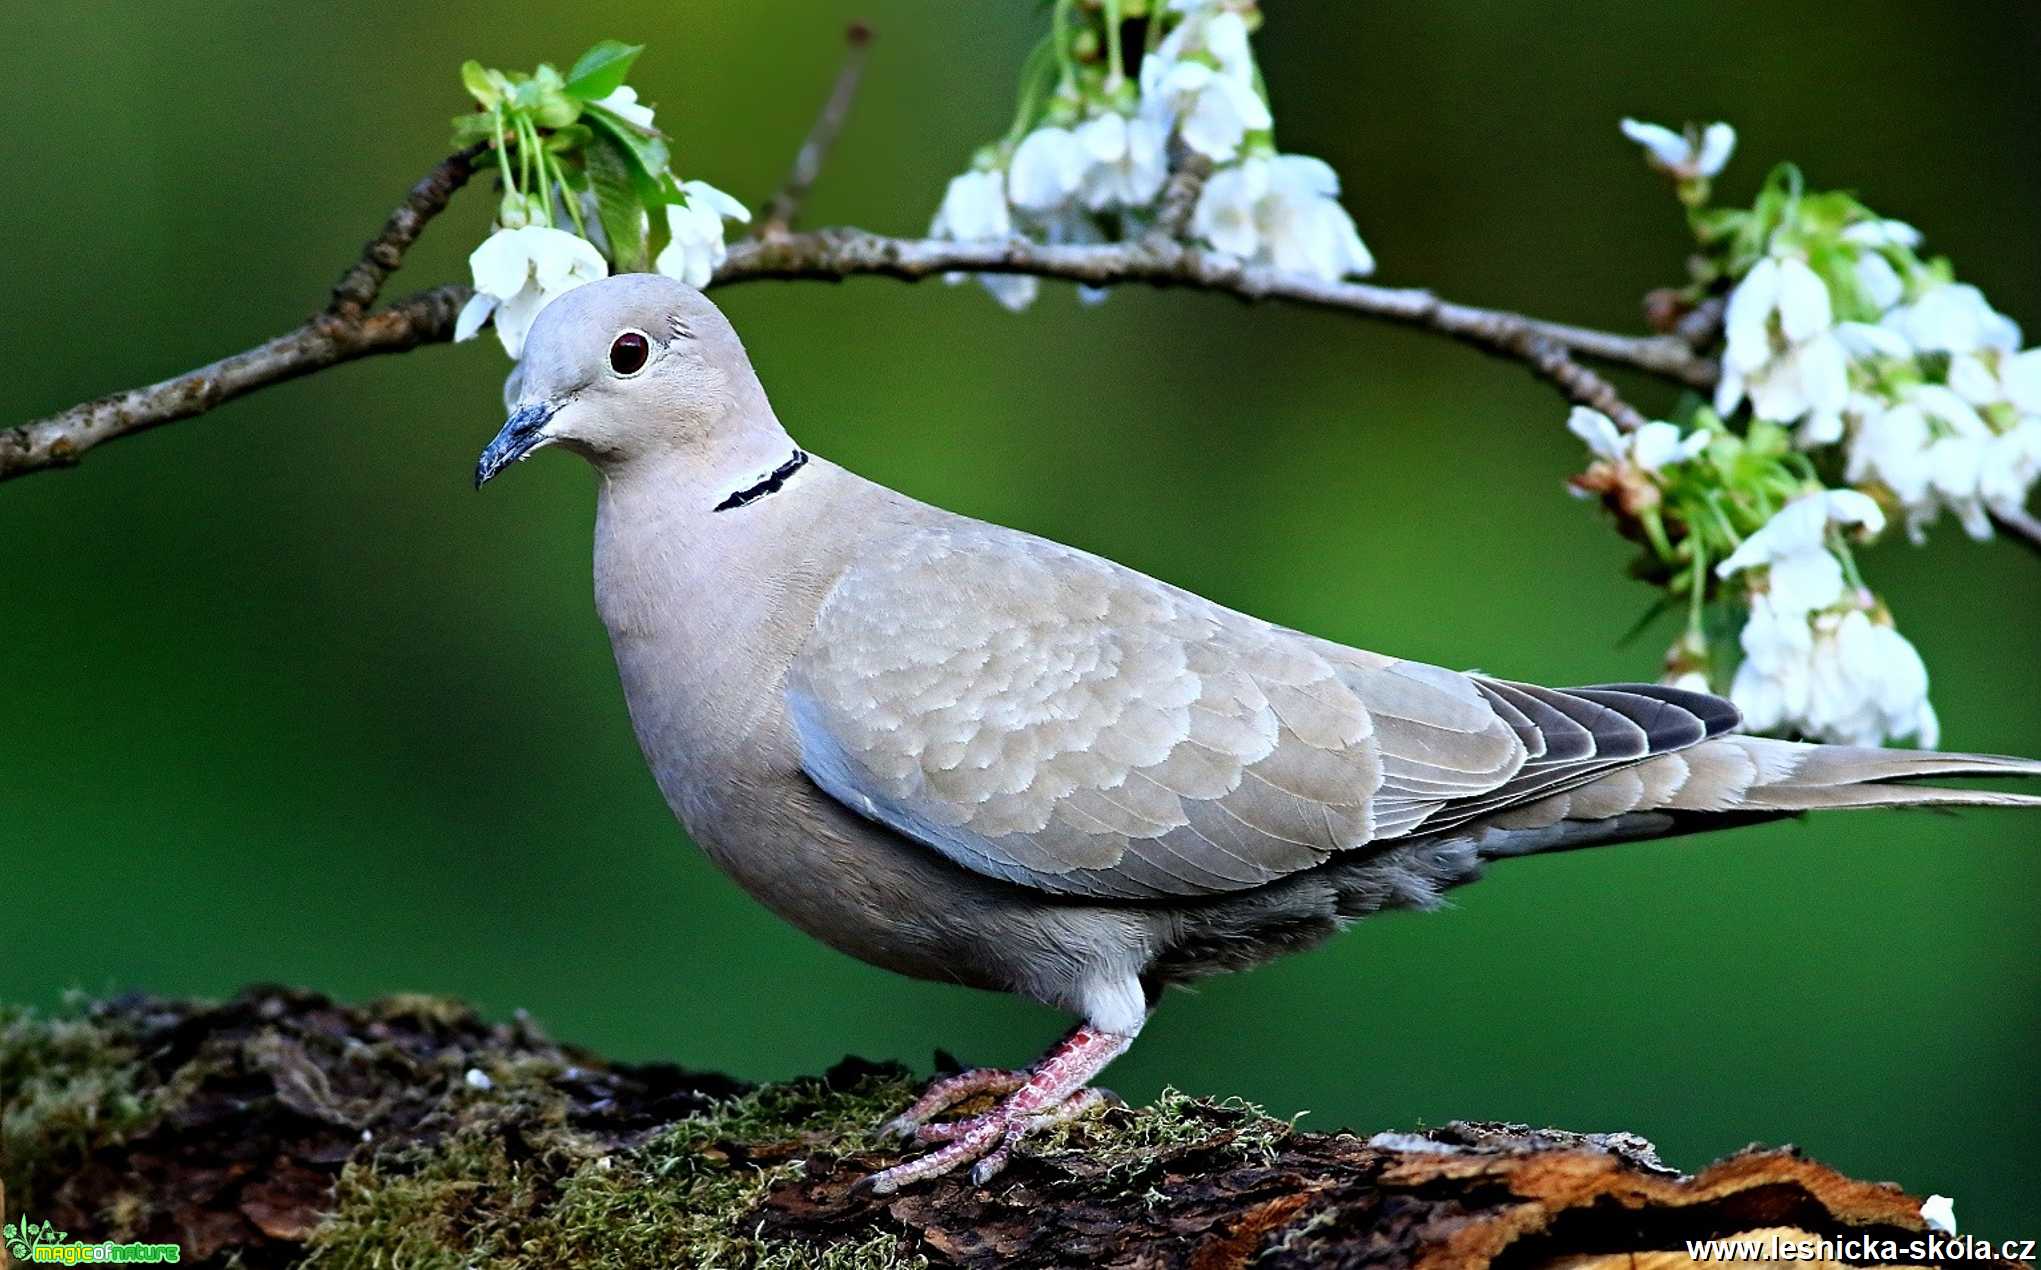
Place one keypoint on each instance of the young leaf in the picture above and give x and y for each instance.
(570, 139)
(601, 70)
(616, 204)
(645, 158)
(472, 127)
(475, 78)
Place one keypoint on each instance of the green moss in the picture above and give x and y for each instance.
(680, 1199)
(1127, 1140)
(508, 1172)
(69, 1084)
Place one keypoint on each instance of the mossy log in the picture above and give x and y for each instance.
(280, 1128)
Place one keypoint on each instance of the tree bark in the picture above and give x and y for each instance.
(281, 1128)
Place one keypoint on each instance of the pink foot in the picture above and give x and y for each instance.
(946, 1093)
(1053, 1092)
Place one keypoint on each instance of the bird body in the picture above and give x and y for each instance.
(965, 753)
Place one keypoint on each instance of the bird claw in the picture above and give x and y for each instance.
(945, 1093)
(984, 1141)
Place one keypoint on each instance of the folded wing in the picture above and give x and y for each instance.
(1047, 717)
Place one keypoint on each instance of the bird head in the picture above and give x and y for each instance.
(625, 367)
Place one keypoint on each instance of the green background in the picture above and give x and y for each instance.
(284, 699)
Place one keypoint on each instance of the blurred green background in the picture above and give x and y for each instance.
(285, 700)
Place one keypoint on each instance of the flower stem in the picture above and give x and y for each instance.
(567, 196)
(1034, 71)
(539, 161)
(1059, 26)
(524, 159)
(1843, 553)
(1115, 69)
(503, 154)
(1699, 588)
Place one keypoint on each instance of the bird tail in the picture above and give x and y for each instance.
(1758, 774)
(1734, 779)
(1795, 777)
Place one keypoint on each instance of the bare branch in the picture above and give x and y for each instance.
(1180, 196)
(786, 205)
(1549, 348)
(359, 286)
(325, 340)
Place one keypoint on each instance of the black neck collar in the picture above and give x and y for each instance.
(773, 483)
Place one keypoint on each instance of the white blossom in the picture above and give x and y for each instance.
(1939, 1212)
(624, 103)
(1684, 156)
(1802, 526)
(1201, 82)
(1879, 281)
(1882, 233)
(1282, 210)
(1047, 168)
(1953, 318)
(974, 210)
(2020, 377)
(1688, 681)
(1599, 432)
(1836, 676)
(1659, 445)
(1783, 351)
(517, 272)
(1653, 447)
(1819, 658)
(696, 227)
(1127, 161)
(1935, 450)
(1864, 342)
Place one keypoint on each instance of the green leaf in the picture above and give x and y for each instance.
(601, 70)
(648, 157)
(476, 79)
(617, 205)
(472, 127)
(570, 138)
(647, 146)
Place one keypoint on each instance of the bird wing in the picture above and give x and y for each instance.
(1044, 716)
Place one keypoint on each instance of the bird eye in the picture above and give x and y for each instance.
(627, 355)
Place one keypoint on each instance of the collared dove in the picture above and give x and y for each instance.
(968, 754)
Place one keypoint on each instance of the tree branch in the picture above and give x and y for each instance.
(786, 205)
(325, 340)
(1180, 197)
(1549, 348)
(359, 286)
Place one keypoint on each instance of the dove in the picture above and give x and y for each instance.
(968, 754)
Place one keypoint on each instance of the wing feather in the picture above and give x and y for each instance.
(1050, 718)
(1046, 717)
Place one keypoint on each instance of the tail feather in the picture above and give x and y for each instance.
(1837, 776)
(1736, 779)
(1792, 798)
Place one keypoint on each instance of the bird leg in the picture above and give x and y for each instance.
(1052, 1092)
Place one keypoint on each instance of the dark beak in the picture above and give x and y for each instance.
(520, 436)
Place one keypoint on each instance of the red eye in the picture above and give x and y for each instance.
(627, 356)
